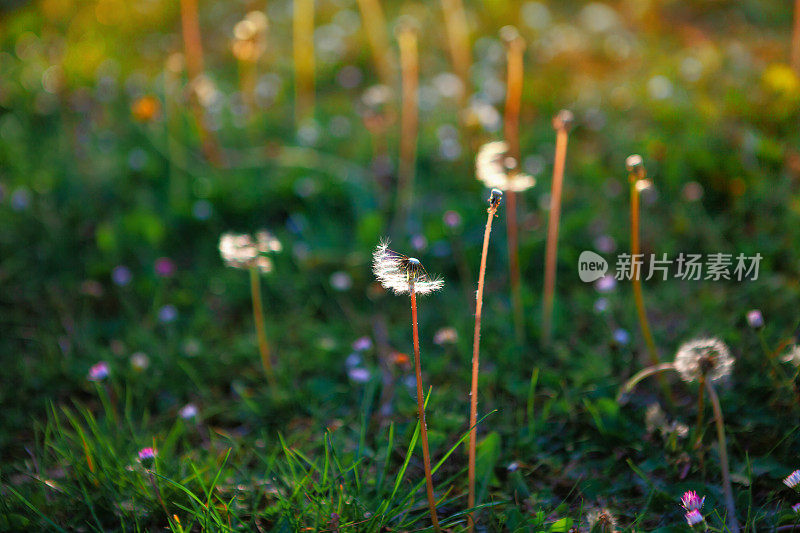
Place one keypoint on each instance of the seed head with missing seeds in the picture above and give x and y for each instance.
(709, 357)
(399, 273)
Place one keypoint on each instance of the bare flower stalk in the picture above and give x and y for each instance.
(303, 53)
(795, 57)
(733, 523)
(455, 23)
(562, 123)
(515, 49)
(375, 26)
(426, 454)
(409, 120)
(258, 319)
(636, 173)
(494, 203)
(698, 443)
(193, 51)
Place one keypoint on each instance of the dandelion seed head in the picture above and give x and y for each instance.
(495, 197)
(792, 479)
(496, 169)
(563, 120)
(709, 357)
(602, 519)
(635, 166)
(242, 251)
(399, 273)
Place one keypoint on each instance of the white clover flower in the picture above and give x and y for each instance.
(709, 357)
(497, 170)
(399, 273)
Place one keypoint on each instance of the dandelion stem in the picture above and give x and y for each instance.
(562, 134)
(476, 343)
(455, 23)
(698, 443)
(514, 56)
(795, 58)
(258, 319)
(723, 457)
(636, 277)
(193, 49)
(375, 26)
(642, 374)
(409, 121)
(303, 55)
(426, 457)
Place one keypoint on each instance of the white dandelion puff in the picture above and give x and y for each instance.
(399, 273)
(242, 251)
(497, 170)
(709, 357)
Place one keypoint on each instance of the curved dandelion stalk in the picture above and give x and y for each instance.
(303, 56)
(562, 123)
(515, 47)
(406, 275)
(409, 119)
(494, 202)
(258, 320)
(733, 523)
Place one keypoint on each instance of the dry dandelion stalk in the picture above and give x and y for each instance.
(241, 251)
(406, 275)
(515, 46)
(795, 55)
(637, 178)
(455, 23)
(248, 45)
(303, 54)
(193, 52)
(562, 123)
(409, 119)
(375, 27)
(494, 202)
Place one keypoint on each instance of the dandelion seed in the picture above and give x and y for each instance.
(694, 517)
(399, 273)
(188, 411)
(691, 501)
(496, 169)
(99, 371)
(792, 479)
(709, 357)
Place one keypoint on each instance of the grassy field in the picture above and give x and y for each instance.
(134, 135)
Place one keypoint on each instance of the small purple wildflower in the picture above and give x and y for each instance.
(796, 508)
(606, 284)
(694, 517)
(755, 319)
(121, 275)
(359, 375)
(691, 501)
(20, 199)
(452, 219)
(792, 479)
(188, 411)
(99, 371)
(164, 267)
(352, 360)
(341, 281)
(621, 336)
(601, 305)
(362, 344)
(147, 455)
(167, 314)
